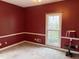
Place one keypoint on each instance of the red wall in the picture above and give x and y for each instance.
(14, 19)
(35, 18)
(11, 21)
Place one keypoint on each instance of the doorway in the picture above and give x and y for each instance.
(53, 29)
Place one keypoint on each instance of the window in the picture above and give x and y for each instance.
(53, 29)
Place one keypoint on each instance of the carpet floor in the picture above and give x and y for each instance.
(31, 51)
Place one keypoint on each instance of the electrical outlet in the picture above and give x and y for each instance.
(76, 46)
(5, 42)
(0, 44)
(38, 40)
(35, 39)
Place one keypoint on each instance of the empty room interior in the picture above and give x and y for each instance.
(39, 29)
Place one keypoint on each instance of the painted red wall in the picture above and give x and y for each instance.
(35, 17)
(14, 19)
(11, 21)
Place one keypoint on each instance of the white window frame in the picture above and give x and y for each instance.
(46, 25)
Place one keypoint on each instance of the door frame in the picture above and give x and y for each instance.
(46, 26)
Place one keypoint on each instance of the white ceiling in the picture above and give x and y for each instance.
(28, 3)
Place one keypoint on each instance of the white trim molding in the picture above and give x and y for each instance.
(31, 33)
(14, 34)
(9, 35)
(4, 36)
(11, 45)
(60, 49)
(52, 47)
(70, 38)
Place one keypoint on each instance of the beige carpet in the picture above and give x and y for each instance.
(30, 51)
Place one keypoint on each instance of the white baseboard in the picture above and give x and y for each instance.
(11, 45)
(60, 49)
